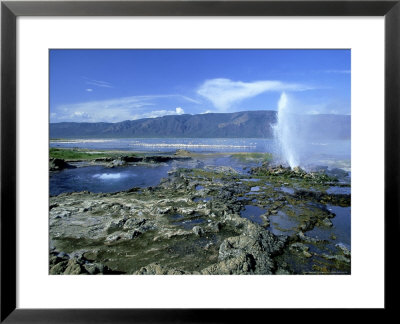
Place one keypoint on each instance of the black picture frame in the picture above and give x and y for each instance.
(10, 10)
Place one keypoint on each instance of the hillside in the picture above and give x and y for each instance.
(250, 124)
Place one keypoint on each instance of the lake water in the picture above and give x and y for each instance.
(311, 152)
(100, 179)
(103, 179)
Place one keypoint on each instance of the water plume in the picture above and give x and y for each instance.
(285, 133)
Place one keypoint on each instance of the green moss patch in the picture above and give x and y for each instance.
(84, 155)
(253, 156)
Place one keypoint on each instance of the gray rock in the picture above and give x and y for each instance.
(59, 164)
(301, 248)
(343, 249)
(115, 226)
(216, 227)
(241, 264)
(340, 258)
(327, 222)
(58, 268)
(114, 237)
(60, 214)
(198, 230)
(258, 247)
(116, 163)
(94, 268)
(73, 268)
(121, 236)
(157, 269)
(132, 223)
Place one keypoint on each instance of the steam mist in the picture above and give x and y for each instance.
(284, 133)
(307, 140)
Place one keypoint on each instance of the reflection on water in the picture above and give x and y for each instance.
(339, 190)
(341, 228)
(110, 176)
(101, 179)
(253, 213)
(282, 224)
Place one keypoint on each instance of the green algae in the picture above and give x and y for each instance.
(253, 157)
(85, 154)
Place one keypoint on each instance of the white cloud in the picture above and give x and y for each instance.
(81, 114)
(179, 111)
(224, 92)
(160, 113)
(114, 110)
(89, 90)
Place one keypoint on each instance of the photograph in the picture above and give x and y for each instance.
(199, 161)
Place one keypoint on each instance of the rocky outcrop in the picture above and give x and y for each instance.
(249, 253)
(317, 177)
(63, 264)
(59, 164)
(181, 152)
(126, 160)
(191, 223)
(157, 269)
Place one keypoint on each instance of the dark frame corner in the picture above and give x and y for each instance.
(10, 10)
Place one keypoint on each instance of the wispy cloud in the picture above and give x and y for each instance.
(98, 83)
(223, 93)
(337, 71)
(119, 109)
(191, 100)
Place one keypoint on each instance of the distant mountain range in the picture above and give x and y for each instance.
(250, 124)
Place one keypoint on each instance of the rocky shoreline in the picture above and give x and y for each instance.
(58, 164)
(211, 220)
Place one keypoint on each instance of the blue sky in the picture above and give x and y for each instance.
(117, 85)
